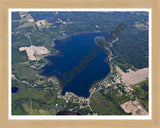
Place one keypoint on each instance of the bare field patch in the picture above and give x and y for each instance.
(42, 24)
(133, 77)
(33, 51)
(134, 107)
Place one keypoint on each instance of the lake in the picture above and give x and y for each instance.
(14, 89)
(80, 61)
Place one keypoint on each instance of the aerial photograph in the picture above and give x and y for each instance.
(79, 63)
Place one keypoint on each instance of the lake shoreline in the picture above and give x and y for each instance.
(107, 70)
(110, 67)
(75, 34)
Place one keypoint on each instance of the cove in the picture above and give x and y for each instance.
(72, 51)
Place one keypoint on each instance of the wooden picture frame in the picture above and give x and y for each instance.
(154, 5)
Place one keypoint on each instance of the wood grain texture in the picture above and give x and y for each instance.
(6, 4)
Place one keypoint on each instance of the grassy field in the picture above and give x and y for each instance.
(104, 106)
(46, 25)
(140, 90)
(24, 22)
(32, 101)
(84, 111)
(26, 25)
(25, 91)
(28, 108)
(18, 57)
(24, 72)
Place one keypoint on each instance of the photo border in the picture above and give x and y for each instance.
(82, 117)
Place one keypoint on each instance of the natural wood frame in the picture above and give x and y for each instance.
(4, 38)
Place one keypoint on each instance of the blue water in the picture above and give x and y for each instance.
(14, 89)
(74, 50)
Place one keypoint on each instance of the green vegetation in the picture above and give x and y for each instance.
(17, 56)
(115, 70)
(26, 91)
(70, 105)
(32, 101)
(60, 102)
(17, 108)
(106, 104)
(23, 72)
(131, 50)
(28, 108)
(118, 96)
(22, 24)
(28, 24)
(84, 111)
(25, 106)
(45, 25)
(100, 41)
(140, 90)
(42, 39)
(15, 16)
(19, 40)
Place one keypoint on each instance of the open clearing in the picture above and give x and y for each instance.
(42, 24)
(134, 107)
(33, 51)
(133, 77)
